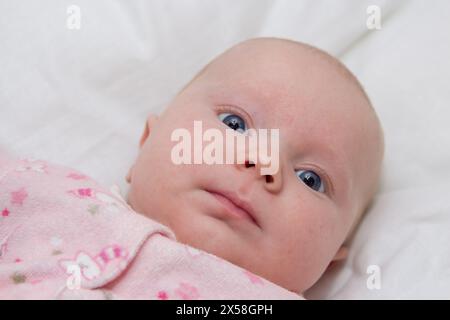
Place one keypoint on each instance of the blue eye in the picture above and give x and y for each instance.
(233, 121)
(311, 179)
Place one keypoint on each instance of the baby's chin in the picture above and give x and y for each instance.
(131, 201)
(216, 236)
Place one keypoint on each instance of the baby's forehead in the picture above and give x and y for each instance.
(284, 94)
(272, 56)
(283, 70)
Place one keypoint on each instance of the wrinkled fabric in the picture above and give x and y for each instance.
(63, 236)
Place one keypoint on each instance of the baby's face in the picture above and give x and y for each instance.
(329, 157)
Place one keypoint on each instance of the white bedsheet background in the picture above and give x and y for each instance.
(80, 98)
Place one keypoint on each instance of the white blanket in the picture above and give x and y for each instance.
(80, 98)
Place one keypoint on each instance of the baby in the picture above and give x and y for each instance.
(284, 227)
(331, 149)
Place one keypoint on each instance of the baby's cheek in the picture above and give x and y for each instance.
(311, 227)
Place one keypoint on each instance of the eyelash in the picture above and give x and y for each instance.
(328, 186)
(237, 111)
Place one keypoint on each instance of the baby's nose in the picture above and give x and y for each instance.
(272, 182)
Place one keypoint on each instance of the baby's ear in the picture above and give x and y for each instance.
(341, 254)
(152, 118)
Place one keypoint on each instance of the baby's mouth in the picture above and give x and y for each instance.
(236, 206)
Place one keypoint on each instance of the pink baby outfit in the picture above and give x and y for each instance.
(63, 236)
